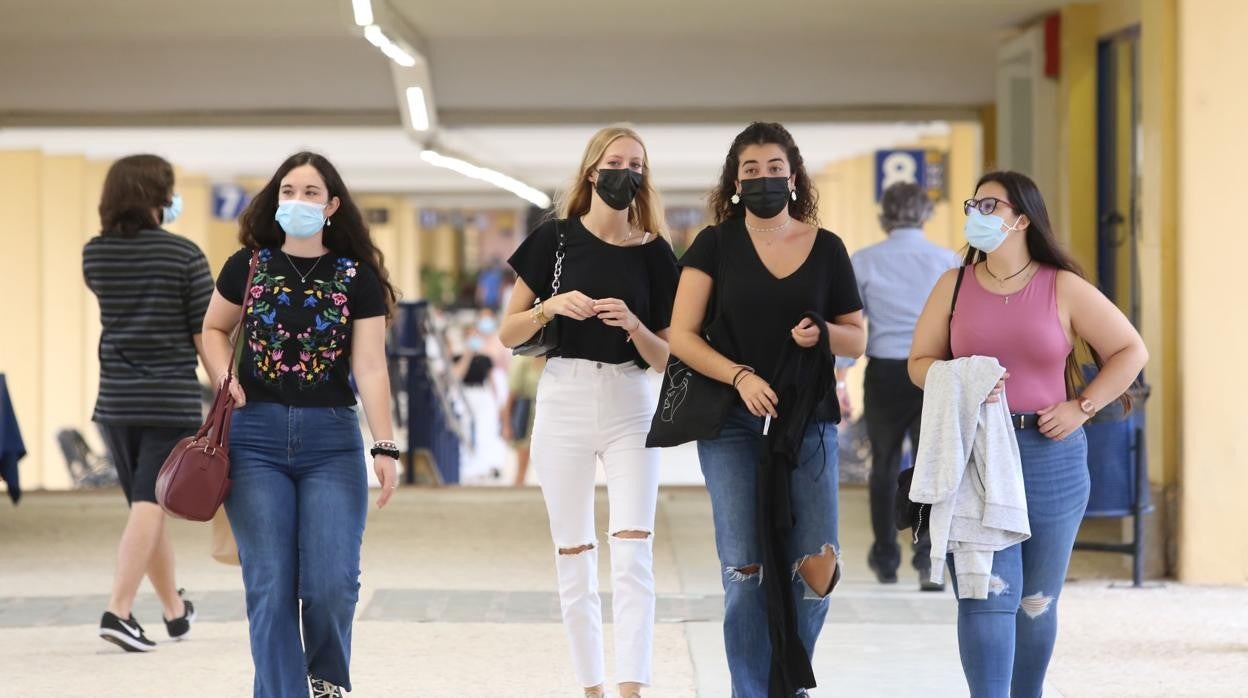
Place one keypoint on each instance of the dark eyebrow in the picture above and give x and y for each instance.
(779, 160)
(750, 162)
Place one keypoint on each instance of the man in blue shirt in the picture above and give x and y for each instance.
(895, 278)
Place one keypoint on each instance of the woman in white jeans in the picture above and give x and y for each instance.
(617, 278)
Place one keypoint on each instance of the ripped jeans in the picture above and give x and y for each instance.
(728, 464)
(1006, 640)
(589, 412)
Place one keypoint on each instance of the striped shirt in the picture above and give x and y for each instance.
(153, 290)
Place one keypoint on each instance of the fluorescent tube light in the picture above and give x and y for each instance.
(485, 174)
(363, 10)
(417, 109)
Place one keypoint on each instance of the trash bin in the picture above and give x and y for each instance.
(1118, 467)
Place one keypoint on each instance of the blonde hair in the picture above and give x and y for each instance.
(645, 212)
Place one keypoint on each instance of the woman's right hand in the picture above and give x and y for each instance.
(995, 395)
(236, 391)
(758, 396)
(572, 304)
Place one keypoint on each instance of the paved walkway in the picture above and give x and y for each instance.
(458, 600)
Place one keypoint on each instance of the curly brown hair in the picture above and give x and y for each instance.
(805, 208)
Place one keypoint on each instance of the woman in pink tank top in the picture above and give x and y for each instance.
(1022, 300)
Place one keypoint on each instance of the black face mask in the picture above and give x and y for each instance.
(765, 197)
(618, 188)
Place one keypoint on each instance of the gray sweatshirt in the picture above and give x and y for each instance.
(968, 469)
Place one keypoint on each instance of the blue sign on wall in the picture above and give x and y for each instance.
(228, 201)
(894, 166)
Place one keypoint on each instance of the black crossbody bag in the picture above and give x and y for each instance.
(908, 514)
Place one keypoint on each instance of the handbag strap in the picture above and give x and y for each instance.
(560, 253)
(218, 422)
(953, 304)
(242, 313)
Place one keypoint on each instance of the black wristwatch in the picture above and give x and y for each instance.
(384, 451)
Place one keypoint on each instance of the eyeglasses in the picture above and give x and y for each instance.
(985, 206)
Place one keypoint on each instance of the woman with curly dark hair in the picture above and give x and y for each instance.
(767, 263)
(315, 319)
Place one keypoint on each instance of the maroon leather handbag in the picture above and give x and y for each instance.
(195, 478)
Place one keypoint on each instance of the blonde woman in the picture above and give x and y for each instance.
(617, 281)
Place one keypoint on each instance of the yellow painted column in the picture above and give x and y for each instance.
(1158, 248)
(966, 165)
(22, 284)
(1076, 222)
(1211, 148)
(64, 297)
(406, 274)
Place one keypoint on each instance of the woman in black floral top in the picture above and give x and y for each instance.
(316, 317)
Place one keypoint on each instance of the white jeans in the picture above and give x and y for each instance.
(588, 411)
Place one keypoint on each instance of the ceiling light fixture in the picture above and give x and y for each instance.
(363, 10)
(396, 53)
(417, 109)
(485, 174)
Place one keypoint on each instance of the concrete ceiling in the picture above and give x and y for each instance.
(518, 85)
(499, 62)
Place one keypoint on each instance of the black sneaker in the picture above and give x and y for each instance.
(324, 689)
(179, 627)
(882, 575)
(126, 634)
(926, 583)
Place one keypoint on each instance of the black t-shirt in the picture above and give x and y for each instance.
(757, 310)
(643, 276)
(297, 335)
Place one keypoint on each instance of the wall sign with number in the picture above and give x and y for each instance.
(925, 168)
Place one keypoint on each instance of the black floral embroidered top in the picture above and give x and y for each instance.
(297, 334)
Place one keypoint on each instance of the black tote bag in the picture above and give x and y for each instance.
(692, 407)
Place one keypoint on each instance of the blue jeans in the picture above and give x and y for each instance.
(1006, 640)
(729, 465)
(297, 510)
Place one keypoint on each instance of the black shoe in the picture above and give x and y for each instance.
(324, 689)
(179, 627)
(126, 634)
(926, 583)
(882, 575)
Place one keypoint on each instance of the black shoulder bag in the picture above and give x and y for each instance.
(546, 339)
(692, 407)
(908, 514)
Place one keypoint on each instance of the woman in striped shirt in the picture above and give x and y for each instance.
(153, 288)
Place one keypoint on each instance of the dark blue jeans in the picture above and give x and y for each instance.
(728, 464)
(297, 509)
(1006, 640)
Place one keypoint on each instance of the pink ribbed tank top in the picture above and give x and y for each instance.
(1025, 334)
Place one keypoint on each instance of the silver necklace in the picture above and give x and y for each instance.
(303, 278)
(772, 232)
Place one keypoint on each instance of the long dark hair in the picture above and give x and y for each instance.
(135, 189)
(805, 208)
(1026, 200)
(347, 236)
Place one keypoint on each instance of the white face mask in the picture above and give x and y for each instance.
(984, 233)
(300, 219)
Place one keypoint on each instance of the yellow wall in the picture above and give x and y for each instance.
(1212, 331)
(21, 358)
(1077, 134)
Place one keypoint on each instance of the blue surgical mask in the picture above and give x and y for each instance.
(984, 233)
(300, 219)
(487, 325)
(476, 344)
(171, 212)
